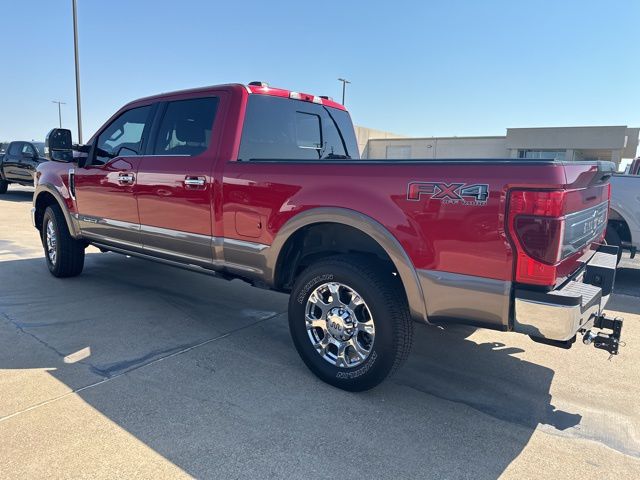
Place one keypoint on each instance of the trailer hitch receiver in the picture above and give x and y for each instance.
(605, 341)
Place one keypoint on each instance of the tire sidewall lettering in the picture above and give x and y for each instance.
(302, 296)
(350, 375)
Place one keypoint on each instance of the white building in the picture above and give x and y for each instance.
(612, 143)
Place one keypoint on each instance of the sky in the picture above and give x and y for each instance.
(424, 68)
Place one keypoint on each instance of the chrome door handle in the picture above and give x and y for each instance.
(126, 178)
(194, 181)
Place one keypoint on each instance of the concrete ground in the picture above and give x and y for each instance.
(134, 369)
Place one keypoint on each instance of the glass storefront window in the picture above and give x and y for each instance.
(542, 154)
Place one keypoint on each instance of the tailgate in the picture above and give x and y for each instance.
(586, 211)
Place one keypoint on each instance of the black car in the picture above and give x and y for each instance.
(19, 162)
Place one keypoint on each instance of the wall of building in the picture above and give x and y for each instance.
(567, 137)
(364, 134)
(632, 139)
(454, 147)
(570, 143)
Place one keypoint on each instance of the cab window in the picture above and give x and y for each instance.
(124, 136)
(186, 127)
(279, 128)
(27, 148)
(14, 149)
(308, 131)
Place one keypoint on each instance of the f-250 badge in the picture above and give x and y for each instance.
(449, 193)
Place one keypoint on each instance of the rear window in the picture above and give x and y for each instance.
(343, 122)
(280, 128)
(308, 131)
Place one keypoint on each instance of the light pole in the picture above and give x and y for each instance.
(344, 86)
(59, 112)
(75, 49)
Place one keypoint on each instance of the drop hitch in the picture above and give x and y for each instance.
(605, 341)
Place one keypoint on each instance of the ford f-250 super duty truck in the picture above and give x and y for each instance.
(265, 184)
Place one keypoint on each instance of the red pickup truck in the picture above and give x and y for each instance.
(266, 184)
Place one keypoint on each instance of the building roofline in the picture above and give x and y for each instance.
(440, 138)
(566, 127)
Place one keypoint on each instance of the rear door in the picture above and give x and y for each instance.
(106, 204)
(174, 187)
(28, 163)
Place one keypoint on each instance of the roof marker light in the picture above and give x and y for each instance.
(295, 95)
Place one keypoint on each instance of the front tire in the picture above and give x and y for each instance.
(63, 253)
(350, 322)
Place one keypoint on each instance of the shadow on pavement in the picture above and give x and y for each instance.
(487, 377)
(628, 281)
(17, 195)
(8, 246)
(627, 286)
(242, 401)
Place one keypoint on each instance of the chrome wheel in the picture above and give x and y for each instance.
(50, 237)
(339, 325)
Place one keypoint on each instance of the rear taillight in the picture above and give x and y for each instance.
(540, 237)
(536, 224)
(550, 226)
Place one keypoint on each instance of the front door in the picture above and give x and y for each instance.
(11, 161)
(174, 187)
(106, 204)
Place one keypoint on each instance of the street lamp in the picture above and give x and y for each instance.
(344, 86)
(59, 112)
(75, 49)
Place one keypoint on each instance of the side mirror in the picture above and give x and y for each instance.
(29, 155)
(58, 145)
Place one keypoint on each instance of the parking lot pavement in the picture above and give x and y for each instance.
(134, 369)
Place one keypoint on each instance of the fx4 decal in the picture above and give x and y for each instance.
(449, 193)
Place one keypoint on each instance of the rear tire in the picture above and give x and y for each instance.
(63, 253)
(349, 304)
(612, 238)
(4, 185)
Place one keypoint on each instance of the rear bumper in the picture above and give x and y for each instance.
(558, 315)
